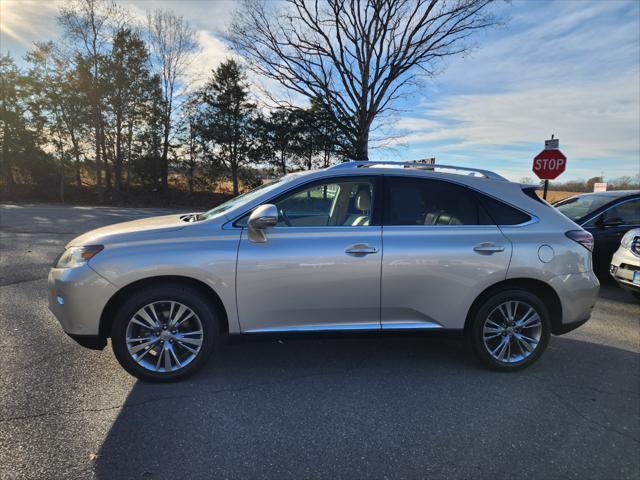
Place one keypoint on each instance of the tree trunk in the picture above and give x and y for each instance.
(61, 171)
(97, 113)
(107, 172)
(192, 159)
(129, 141)
(164, 164)
(98, 157)
(76, 155)
(157, 161)
(361, 145)
(234, 177)
(117, 166)
(5, 165)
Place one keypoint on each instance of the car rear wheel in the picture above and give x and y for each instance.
(164, 333)
(510, 330)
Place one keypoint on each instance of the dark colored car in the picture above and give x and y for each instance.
(607, 216)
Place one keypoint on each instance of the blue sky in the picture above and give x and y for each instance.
(568, 67)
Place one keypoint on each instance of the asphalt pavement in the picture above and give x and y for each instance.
(330, 408)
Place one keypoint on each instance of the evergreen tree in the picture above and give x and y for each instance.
(279, 133)
(19, 145)
(226, 123)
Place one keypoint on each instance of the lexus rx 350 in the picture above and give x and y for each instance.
(362, 246)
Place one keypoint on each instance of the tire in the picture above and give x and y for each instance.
(160, 355)
(507, 339)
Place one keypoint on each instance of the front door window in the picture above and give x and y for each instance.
(346, 202)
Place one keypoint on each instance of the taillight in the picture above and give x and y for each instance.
(583, 237)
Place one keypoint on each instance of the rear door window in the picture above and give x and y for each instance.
(416, 201)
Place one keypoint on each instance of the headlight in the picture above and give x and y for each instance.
(627, 240)
(75, 256)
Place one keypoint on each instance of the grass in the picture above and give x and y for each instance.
(556, 195)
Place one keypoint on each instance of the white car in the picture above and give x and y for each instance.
(625, 264)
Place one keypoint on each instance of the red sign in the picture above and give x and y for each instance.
(548, 164)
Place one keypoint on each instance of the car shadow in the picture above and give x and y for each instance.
(612, 291)
(397, 407)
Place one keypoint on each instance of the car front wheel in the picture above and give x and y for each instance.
(510, 330)
(164, 333)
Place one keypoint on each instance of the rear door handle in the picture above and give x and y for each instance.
(360, 249)
(488, 248)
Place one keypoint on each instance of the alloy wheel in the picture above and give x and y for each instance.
(512, 331)
(164, 336)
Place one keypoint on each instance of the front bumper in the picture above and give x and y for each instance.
(624, 266)
(77, 297)
(578, 293)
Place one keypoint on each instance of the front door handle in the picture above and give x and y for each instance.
(360, 249)
(488, 248)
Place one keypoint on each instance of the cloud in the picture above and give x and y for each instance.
(569, 68)
(212, 52)
(593, 121)
(577, 114)
(25, 22)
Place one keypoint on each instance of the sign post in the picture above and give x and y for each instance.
(546, 188)
(549, 163)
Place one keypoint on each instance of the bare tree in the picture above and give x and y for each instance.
(172, 42)
(354, 55)
(87, 26)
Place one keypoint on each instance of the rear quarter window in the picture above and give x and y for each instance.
(501, 213)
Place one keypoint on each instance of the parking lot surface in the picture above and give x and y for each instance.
(331, 408)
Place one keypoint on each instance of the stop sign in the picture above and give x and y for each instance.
(548, 164)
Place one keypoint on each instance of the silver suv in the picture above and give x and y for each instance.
(362, 246)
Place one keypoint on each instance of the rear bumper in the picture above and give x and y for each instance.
(94, 342)
(568, 327)
(578, 293)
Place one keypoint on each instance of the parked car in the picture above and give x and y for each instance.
(625, 264)
(607, 216)
(358, 247)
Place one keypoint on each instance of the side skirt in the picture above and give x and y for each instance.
(350, 334)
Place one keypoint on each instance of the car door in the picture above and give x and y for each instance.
(319, 268)
(609, 227)
(440, 252)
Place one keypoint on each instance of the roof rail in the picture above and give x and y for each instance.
(416, 164)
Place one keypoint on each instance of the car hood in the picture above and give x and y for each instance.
(135, 230)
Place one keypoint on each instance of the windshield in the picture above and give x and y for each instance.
(579, 207)
(244, 198)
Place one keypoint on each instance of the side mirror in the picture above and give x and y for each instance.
(264, 216)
